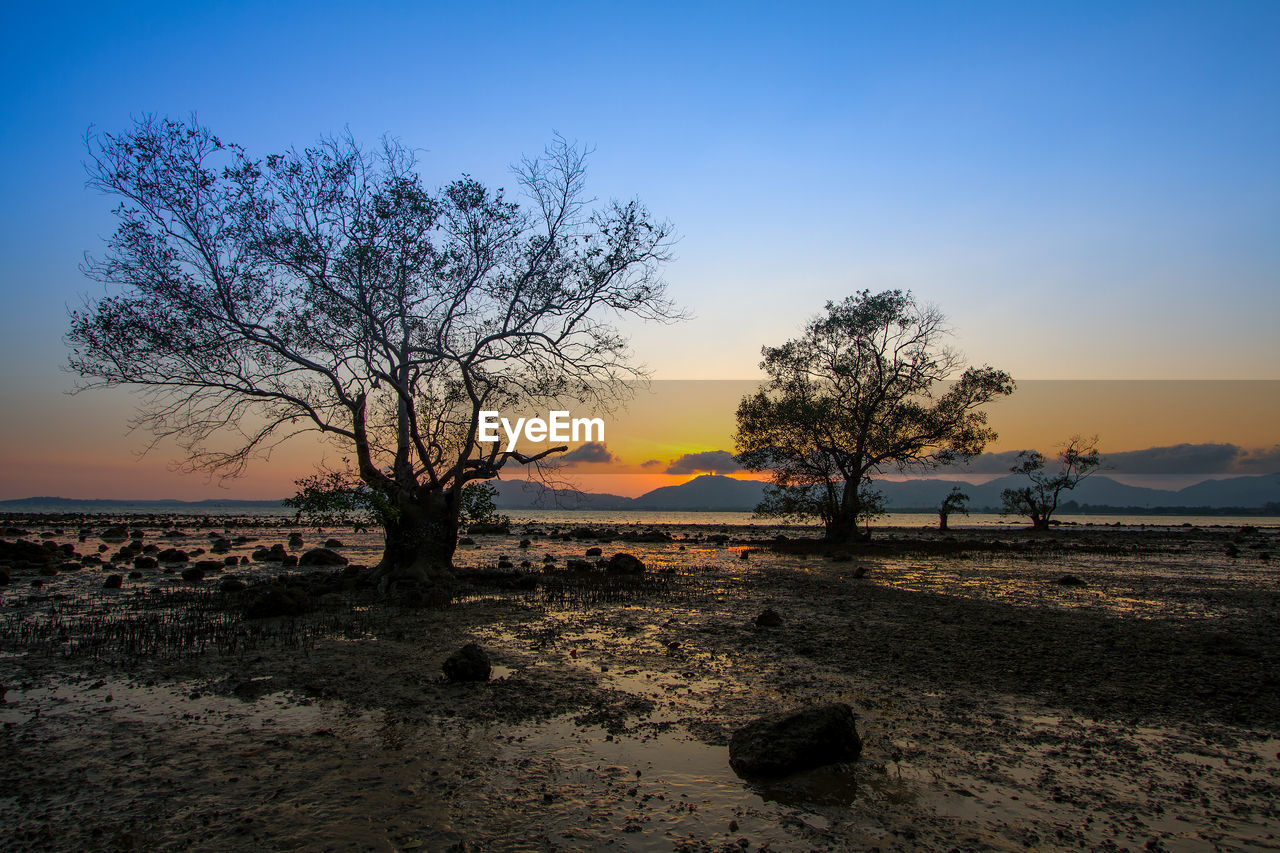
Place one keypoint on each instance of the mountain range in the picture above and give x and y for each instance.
(726, 494)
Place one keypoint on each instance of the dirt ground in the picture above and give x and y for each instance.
(1001, 708)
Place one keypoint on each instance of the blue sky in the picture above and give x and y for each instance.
(1086, 190)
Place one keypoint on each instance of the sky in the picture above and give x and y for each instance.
(1088, 191)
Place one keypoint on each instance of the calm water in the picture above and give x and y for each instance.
(564, 517)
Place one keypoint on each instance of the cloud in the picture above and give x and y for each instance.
(1195, 459)
(1184, 459)
(713, 461)
(592, 451)
(650, 463)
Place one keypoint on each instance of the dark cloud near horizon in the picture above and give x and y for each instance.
(650, 463)
(714, 461)
(592, 451)
(1175, 459)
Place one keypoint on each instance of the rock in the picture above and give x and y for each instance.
(781, 744)
(135, 575)
(504, 563)
(469, 663)
(525, 543)
(768, 618)
(193, 574)
(4, 576)
(335, 543)
(289, 560)
(295, 540)
(233, 585)
(141, 562)
(23, 551)
(209, 567)
(277, 600)
(1070, 580)
(624, 564)
(172, 555)
(578, 566)
(322, 557)
(113, 582)
(220, 546)
(594, 552)
(231, 561)
(465, 540)
(116, 532)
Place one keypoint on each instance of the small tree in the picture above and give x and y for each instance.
(329, 290)
(955, 501)
(868, 386)
(1077, 459)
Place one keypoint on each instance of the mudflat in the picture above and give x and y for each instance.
(1089, 688)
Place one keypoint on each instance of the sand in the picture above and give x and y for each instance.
(1000, 708)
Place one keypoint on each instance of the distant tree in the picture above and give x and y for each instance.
(956, 501)
(328, 290)
(1077, 459)
(480, 505)
(866, 387)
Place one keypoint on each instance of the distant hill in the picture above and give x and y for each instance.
(725, 494)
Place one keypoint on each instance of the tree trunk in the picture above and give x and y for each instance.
(844, 527)
(942, 521)
(420, 541)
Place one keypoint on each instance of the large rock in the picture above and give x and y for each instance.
(781, 744)
(172, 555)
(322, 557)
(624, 564)
(468, 663)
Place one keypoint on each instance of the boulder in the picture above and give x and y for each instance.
(322, 557)
(116, 532)
(624, 564)
(768, 618)
(277, 600)
(172, 555)
(141, 562)
(333, 543)
(578, 566)
(594, 552)
(193, 574)
(786, 743)
(232, 585)
(1070, 580)
(469, 663)
(113, 582)
(220, 545)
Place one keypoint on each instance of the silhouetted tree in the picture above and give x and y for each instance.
(328, 290)
(1077, 460)
(864, 388)
(955, 501)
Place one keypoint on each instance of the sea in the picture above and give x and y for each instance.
(587, 518)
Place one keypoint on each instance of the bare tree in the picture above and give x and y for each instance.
(1077, 459)
(865, 388)
(327, 290)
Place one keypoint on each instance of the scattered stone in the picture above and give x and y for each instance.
(768, 618)
(525, 543)
(466, 540)
(141, 562)
(624, 564)
(594, 552)
(233, 585)
(277, 600)
(781, 744)
(172, 555)
(113, 582)
(1070, 580)
(470, 663)
(193, 574)
(116, 532)
(220, 546)
(322, 557)
(578, 565)
(333, 543)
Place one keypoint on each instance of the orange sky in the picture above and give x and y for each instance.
(69, 454)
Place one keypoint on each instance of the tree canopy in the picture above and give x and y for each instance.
(328, 289)
(1077, 459)
(867, 387)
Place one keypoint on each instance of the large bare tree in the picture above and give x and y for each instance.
(326, 289)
